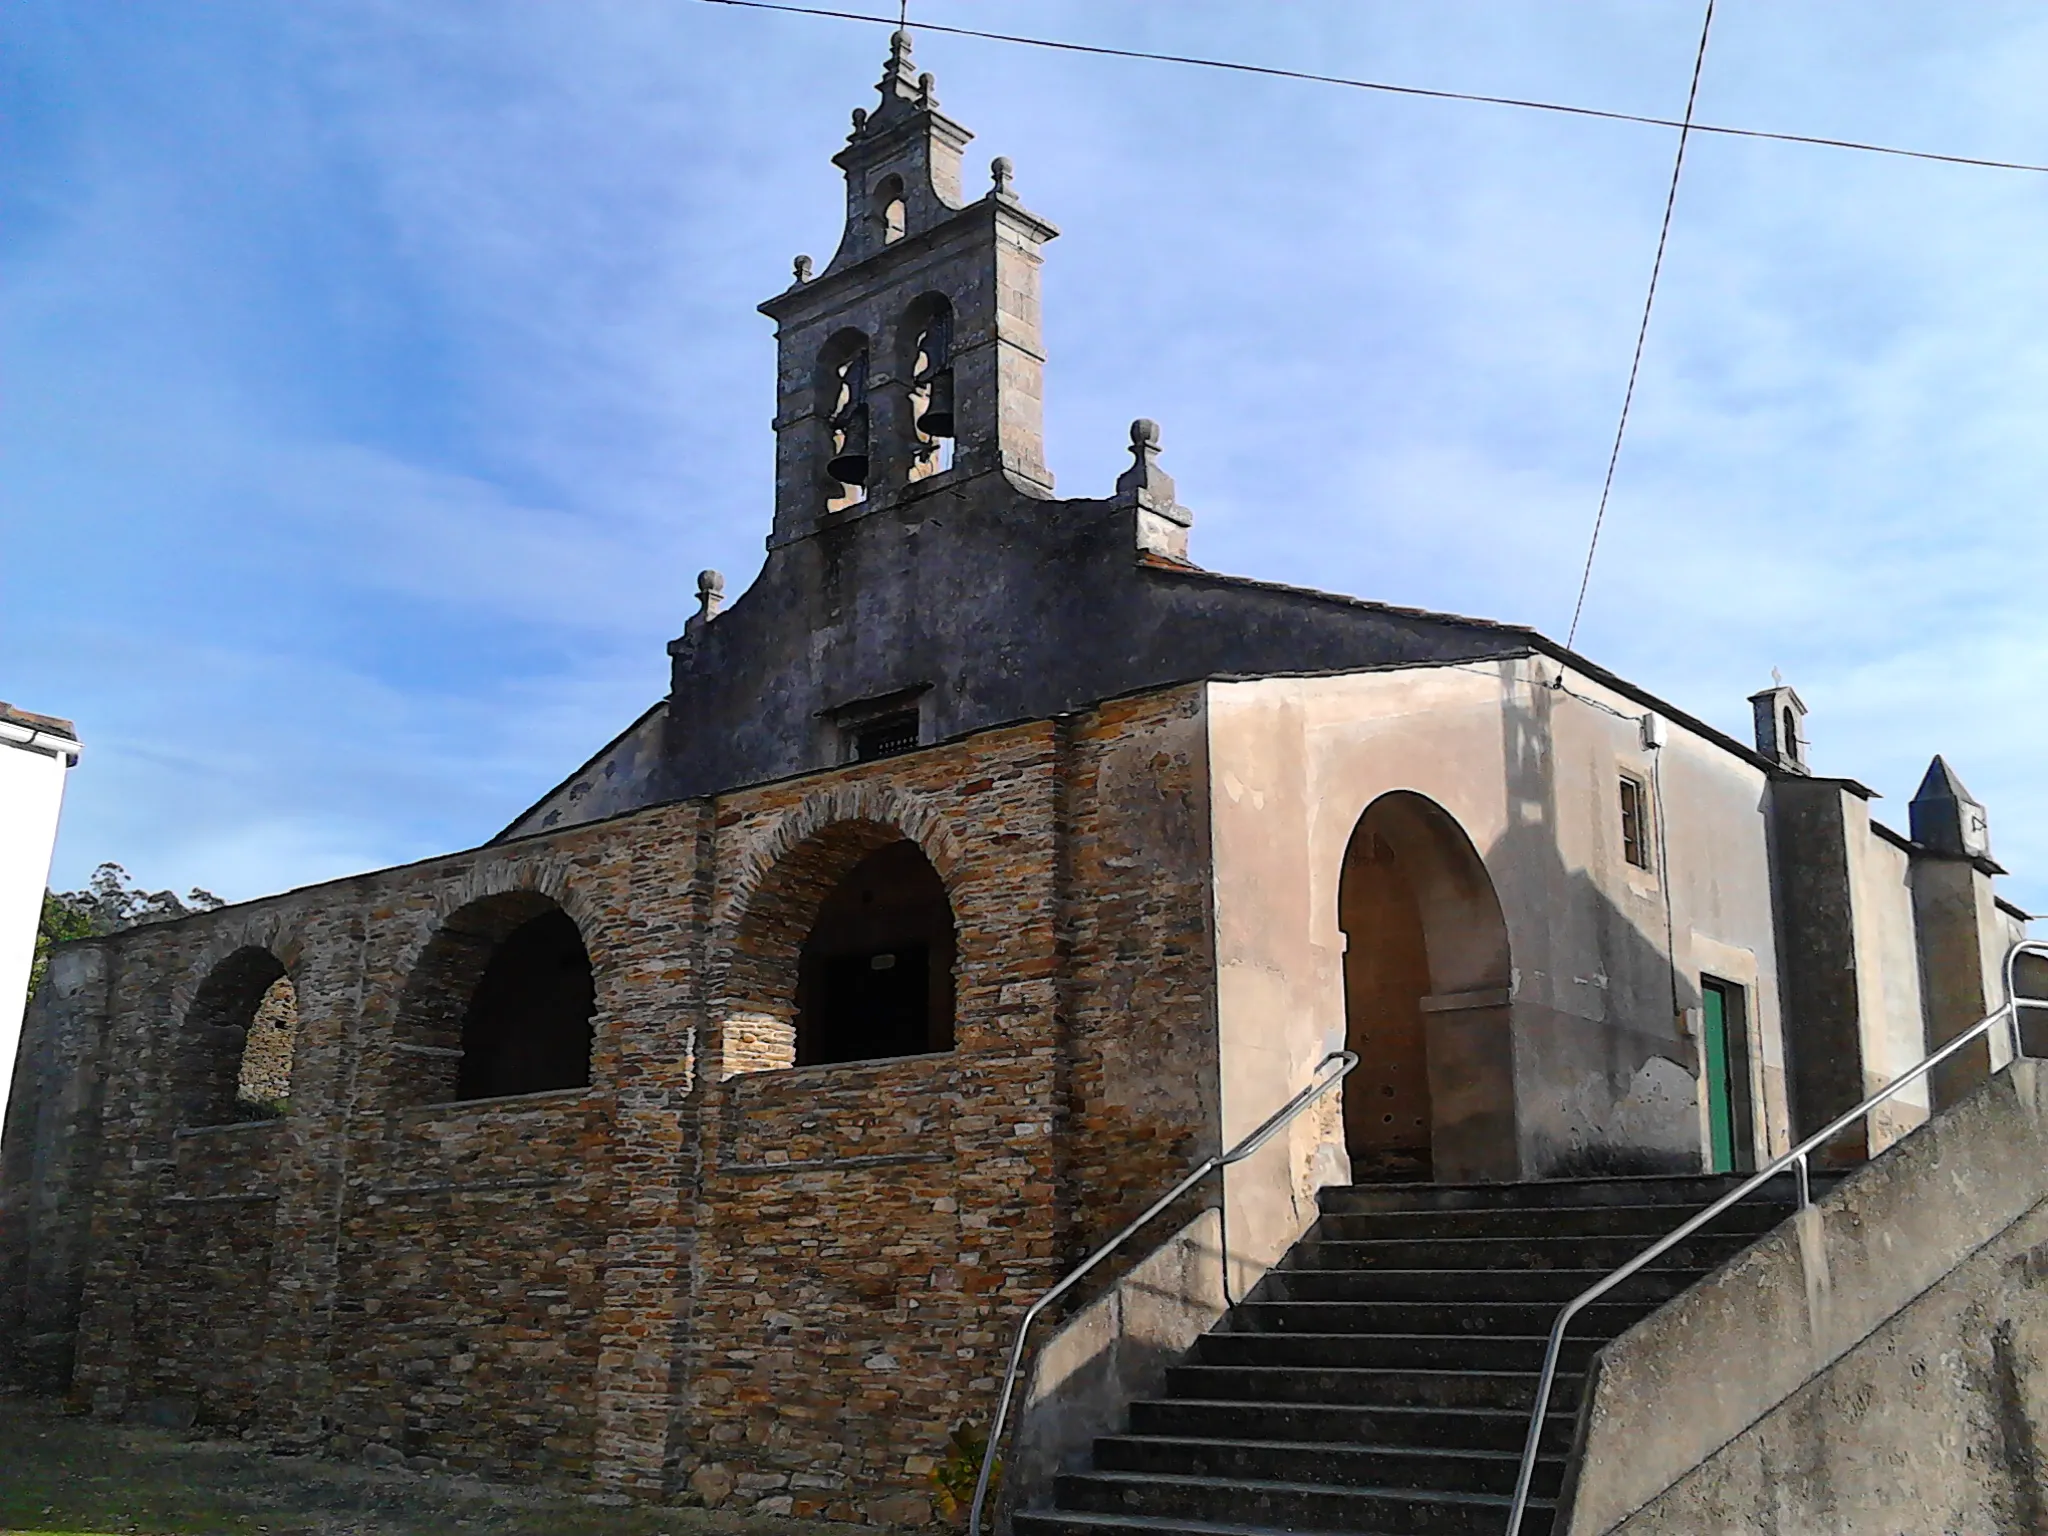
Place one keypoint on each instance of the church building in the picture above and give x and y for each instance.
(988, 865)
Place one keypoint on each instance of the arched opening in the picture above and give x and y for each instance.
(891, 216)
(875, 975)
(1791, 736)
(234, 1061)
(1426, 978)
(928, 363)
(843, 390)
(500, 1003)
(265, 1079)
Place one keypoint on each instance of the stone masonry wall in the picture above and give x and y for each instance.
(1142, 1096)
(867, 1227)
(752, 1284)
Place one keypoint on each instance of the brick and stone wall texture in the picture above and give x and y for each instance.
(711, 1274)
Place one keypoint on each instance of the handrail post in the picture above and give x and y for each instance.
(1804, 1179)
(1267, 1129)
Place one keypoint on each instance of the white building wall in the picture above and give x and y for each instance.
(31, 792)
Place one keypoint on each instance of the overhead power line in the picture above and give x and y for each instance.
(1387, 88)
(1635, 366)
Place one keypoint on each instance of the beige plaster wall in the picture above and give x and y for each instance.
(1704, 907)
(1888, 998)
(1294, 762)
(1603, 1066)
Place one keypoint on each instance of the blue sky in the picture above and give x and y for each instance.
(378, 375)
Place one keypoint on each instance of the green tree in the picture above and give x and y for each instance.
(60, 921)
(109, 903)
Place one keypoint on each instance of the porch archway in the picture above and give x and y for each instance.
(1426, 982)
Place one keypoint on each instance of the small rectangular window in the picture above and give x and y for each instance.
(885, 737)
(1635, 821)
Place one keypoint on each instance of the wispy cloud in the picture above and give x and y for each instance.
(381, 373)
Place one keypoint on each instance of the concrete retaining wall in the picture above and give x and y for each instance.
(1879, 1363)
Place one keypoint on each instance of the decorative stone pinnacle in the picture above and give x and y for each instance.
(1145, 480)
(1002, 170)
(898, 78)
(710, 598)
(927, 96)
(802, 267)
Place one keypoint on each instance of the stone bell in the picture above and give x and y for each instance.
(937, 417)
(849, 463)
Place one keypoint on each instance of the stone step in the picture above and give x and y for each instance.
(1389, 1387)
(1391, 1351)
(1486, 1429)
(1647, 1222)
(1293, 1506)
(1695, 1190)
(1378, 1381)
(1472, 1285)
(1601, 1320)
(1409, 1468)
(1700, 1253)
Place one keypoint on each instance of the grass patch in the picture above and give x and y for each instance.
(62, 1476)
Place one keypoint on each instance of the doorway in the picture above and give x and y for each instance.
(1724, 1071)
(1386, 977)
(1426, 981)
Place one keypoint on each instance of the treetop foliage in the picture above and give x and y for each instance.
(109, 903)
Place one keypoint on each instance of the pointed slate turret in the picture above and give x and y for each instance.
(1946, 817)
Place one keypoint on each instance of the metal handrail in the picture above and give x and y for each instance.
(1267, 1130)
(1797, 1160)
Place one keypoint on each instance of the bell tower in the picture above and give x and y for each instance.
(914, 358)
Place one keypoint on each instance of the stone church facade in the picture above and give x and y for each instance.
(987, 865)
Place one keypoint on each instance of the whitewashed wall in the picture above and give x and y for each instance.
(31, 791)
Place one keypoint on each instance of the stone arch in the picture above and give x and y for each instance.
(231, 1060)
(500, 1001)
(794, 914)
(1427, 975)
(908, 815)
(889, 211)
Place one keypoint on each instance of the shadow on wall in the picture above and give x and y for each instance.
(1088, 1368)
(1608, 1083)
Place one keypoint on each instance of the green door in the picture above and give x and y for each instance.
(1720, 1080)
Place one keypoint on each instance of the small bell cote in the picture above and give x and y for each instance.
(916, 352)
(1780, 726)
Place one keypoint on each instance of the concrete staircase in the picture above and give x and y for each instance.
(1379, 1379)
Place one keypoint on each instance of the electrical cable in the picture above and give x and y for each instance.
(1643, 330)
(1385, 87)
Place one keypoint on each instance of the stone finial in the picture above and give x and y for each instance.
(1947, 817)
(710, 598)
(802, 267)
(898, 78)
(1001, 171)
(927, 92)
(1162, 527)
(860, 118)
(1145, 479)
